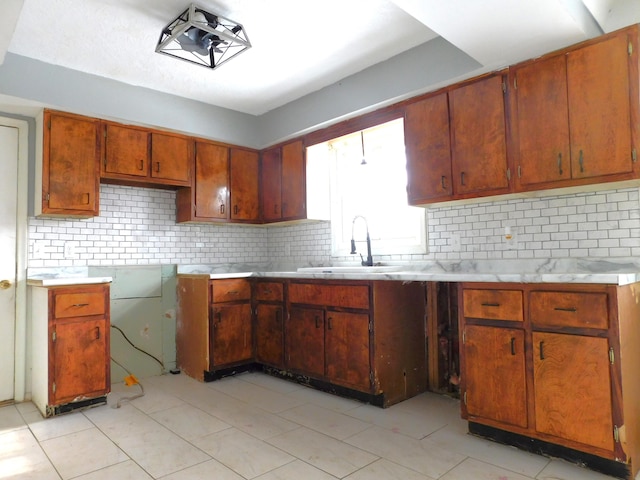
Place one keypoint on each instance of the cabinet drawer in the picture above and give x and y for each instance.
(350, 296)
(230, 290)
(79, 304)
(269, 291)
(493, 304)
(569, 309)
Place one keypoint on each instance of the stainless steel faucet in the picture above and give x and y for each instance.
(369, 261)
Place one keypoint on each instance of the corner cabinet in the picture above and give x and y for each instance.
(70, 149)
(554, 368)
(71, 350)
(214, 333)
(283, 180)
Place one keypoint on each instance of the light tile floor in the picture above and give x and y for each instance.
(253, 426)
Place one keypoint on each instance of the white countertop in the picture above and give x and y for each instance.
(54, 281)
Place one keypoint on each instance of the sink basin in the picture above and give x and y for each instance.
(354, 269)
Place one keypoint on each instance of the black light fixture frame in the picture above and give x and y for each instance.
(203, 38)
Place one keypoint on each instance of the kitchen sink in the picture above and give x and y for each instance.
(354, 269)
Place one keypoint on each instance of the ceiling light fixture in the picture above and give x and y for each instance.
(203, 38)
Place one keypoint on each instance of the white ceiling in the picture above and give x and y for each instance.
(298, 46)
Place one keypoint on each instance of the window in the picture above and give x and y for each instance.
(367, 177)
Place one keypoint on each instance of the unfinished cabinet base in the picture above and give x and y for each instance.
(73, 406)
(540, 447)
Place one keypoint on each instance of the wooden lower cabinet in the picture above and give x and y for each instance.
(305, 345)
(347, 349)
(269, 323)
(71, 362)
(231, 334)
(559, 376)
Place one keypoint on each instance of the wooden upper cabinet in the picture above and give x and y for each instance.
(283, 179)
(271, 184)
(428, 149)
(208, 199)
(70, 165)
(244, 182)
(138, 155)
(293, 181)
(478, 133)
(599, 108)
(542, 121)
(170, 158)
(573, 116)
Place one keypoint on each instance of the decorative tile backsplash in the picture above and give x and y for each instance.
(137, 227)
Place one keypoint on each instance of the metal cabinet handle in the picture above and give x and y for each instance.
(569, 309)
(513, 346)
(317, 321)
(233, 292)
(222, 208)
(80, 304)
(581, 162)
(97, 333)
(141, 167)
(329, 327)
(487, 304)
(235, 209)
(541, 350)
(443, 180)
(86, 197)
(157, 167)
(462, 178)
(560, 163)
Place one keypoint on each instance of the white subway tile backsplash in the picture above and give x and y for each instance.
(137, 227)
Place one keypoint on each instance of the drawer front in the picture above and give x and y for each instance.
(493, 304)
(269, 291)
(230, 290)
(349, 296)
(79, 304)
(569, 309)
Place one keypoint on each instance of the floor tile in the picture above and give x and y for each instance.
(211, 469)
(456, 438)
(153, 400)
(10, 419)
(386, 470)
(21, 457)
(260, 424)
(243, 453)
(323, 452)
(336, 425)
(128, 470)
(471, 468)
(419, 455)
(189, 422)
(296, 470)
(82, 452)
(253, 394)
(47, 428)
(561, 470)
(400, 421)
(279, 385)
(326, 400)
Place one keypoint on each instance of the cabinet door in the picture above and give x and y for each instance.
(572, 385)
(478, 147)
(269, 335)
(543, 121)
(126, 151)
(599, 108)
(170, 159)
(71, 165)
(211, 181)
(231, 334)
(494, 376)
(243, 178)
(428, 144)
(271, 177)
(347, 349)
(305, 341)
(80, 360)
(293, 181)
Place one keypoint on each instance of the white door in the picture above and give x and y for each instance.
(9, 137)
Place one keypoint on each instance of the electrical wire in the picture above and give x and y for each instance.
(137, 348)
(133, 397)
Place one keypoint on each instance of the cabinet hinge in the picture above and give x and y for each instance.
(634, 155)
(504, 87)
(370, 326)
(630, 49)
(616, 434)
(464, 398)
(53, 336)
(464, 336)
(371, 377)
(612, 356)
(53, 387)
(47, 196)
(508, 174)
(515, 83)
